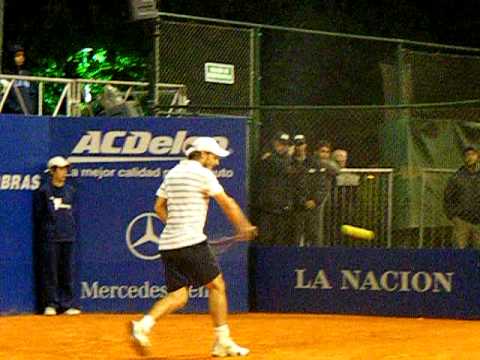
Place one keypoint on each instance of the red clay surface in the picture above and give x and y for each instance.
(269, 336)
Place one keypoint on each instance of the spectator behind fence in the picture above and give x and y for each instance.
(54, 214)
(311, 176)
(323, 150)
(321, 179)
(302, 204)
(344, 200)
(23, 96)
(462, 200)
(340, 156)
(273, 195)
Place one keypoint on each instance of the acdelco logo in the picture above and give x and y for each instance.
(126, 144)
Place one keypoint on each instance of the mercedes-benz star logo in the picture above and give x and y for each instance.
(142, 238)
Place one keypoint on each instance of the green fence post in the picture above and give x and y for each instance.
(255, 101)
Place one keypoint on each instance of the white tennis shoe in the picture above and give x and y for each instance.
(50, 311)
(73, 311)
(140, 335)
(228, 348)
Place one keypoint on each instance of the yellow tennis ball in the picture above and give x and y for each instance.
(357, 232)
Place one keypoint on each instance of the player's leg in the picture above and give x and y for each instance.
(202, 268)
(217, 301)
(224, 345)
(177, 286)
(170, 303)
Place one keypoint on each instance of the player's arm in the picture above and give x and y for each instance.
(161, 208)
(245, 230)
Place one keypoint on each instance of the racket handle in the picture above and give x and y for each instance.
(248, 233)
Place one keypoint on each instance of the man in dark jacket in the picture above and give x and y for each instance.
(320, 181)
(302, 203)
(310, 190)
(462, 200)
(274, 195)
(54, 207)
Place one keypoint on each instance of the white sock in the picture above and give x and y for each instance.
(222, 333)
(147, 322)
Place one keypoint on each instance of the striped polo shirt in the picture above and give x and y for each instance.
(187, 188)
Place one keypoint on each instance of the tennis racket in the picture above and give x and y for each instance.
(219, 245)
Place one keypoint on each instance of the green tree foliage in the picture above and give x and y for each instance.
(88, 63)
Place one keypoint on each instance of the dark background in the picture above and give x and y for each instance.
(57, 27)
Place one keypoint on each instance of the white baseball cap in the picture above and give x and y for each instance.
(282, 137)
(299, 139)
(57, 161)
(207, 144)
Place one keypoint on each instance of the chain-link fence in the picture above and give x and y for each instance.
(360, 198)
(435, 230)
(395, 106)
(213, 62)
(400, 110)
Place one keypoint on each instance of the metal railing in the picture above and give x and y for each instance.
(360, 197)
(71, 93)
(363, 198)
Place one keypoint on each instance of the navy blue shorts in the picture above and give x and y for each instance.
(190, 266)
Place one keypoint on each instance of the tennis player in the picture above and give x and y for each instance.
(182, 204)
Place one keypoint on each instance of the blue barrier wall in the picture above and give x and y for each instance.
(24, 146)
(118, 166)
(428, 283)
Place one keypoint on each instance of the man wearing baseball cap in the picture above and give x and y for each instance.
(182, 204)
(273, 193)
(207, 145)
(57, 162)
(302, 204)
(462, 200)
(54, 210)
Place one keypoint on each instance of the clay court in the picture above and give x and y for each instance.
(269, 336)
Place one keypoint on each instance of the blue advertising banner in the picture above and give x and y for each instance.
(24, 146)
(118, 165)
(424, 283)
